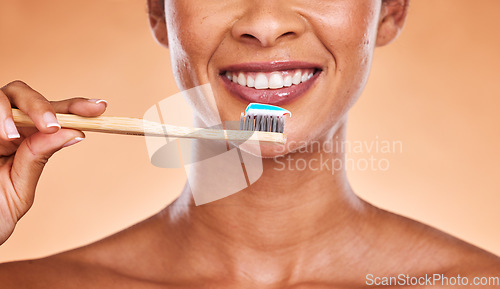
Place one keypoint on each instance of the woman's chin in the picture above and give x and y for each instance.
(273, 150)
(269, 150)
(262, 150)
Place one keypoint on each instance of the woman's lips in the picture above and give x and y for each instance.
(270, 83)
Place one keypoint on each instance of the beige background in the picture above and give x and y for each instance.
(435, 89)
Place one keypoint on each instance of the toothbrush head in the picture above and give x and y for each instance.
(263, 117)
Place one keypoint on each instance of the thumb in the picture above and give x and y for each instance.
(31, 157)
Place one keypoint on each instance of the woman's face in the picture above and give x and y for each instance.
(310, 57)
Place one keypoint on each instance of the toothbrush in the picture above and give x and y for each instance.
(260, 122)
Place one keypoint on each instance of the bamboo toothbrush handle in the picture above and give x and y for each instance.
(136, 126)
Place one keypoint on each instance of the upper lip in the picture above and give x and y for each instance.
(269, 66)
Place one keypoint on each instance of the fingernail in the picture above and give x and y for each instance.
(10, 129)
(97, 101)
(73, 141)
(50, 120)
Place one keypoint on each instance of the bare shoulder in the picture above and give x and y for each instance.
(404, 252)
(108, 263)
(50, 272)
(426, 249)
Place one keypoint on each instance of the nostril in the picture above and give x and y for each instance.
(248, 36)
(265, 28)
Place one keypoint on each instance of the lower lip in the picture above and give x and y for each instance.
(270, 96)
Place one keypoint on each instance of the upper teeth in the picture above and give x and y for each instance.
(270, 80)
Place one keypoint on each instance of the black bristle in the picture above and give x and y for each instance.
(262, 123)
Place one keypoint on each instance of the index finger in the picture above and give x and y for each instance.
(80, 106)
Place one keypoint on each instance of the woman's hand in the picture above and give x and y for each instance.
(25, 151)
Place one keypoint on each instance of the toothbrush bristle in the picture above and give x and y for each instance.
(261, 117)
(262, 123)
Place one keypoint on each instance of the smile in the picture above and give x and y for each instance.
(271, 83)
(272, 80)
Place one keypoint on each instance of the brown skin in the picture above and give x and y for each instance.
(290, 229)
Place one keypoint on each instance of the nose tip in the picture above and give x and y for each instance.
(266, 26)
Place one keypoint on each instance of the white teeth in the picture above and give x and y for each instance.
(250, 81)
(242, 80)
(261, 81)
(276, 80)
(273, 80)
(304, 77)
(288, 81)
(296, 77)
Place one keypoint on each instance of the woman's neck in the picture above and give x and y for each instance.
(287, 210)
